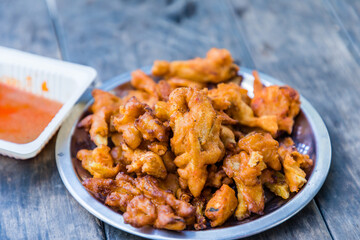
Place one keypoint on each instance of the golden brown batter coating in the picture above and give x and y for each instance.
(218, 66)
(167, 219)
(221, 206)
(217, 177)
(98, 162)
(104, 99)
(124, 123)
(275, 182)
(295, 165)
(265, 145)
(179, 82)
(143, 82)
(280, 101)
(142, 201)
(227, 136)
(140, 212)
(246, 169)
(232, 99)
(105, 104)
(144, 162)
(151, 128)
(196, 141)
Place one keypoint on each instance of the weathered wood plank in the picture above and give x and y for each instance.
(120, 36)
(34, 204)
(299, 43)
(304, 225)
(346, 14)
(26, 26)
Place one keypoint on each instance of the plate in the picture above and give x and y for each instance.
(310, 135)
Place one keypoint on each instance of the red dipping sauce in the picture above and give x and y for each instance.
(23, 115)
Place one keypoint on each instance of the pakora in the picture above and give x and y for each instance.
(187, 148)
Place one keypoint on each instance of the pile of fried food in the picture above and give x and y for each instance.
(190, 149)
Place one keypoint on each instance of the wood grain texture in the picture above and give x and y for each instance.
(300, 43)
(25, 25)
(34, 204)
(120, 36)
(346, 14)
(304, 225)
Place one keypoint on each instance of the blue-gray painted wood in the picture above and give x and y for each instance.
(34, 204)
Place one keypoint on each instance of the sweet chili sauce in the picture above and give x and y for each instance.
(23, 115)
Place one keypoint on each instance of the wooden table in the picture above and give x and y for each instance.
(313, 46)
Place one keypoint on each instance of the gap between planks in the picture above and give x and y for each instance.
(53, 14)
(353, 49)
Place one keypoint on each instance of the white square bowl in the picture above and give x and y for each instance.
(66, 82)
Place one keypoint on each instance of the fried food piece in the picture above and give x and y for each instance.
(196, 140)
(245, 169)
(116, 138)
(160, 148)
(104, 99)
(221, 206)
(116, 193)
(280, 101)
(105, 104)
(151, 128)
(242, 210)
(226, 119)
(218, 66)
(140, 212)
(179, 82)
(162, 111)
(125, 122)
(136, 122)
(217, 177)
(199, 203)
(99, 126)
(228, 138)
(167, 219)
(183, 195)
(118, 157)
(287, 145)
(149, 186)
(142, 97)
(98, 162)
(168, 159)
(142, 200)
(86, 122)
(232, 99)
(163, 89)
(170, 183)
(294, 164)
(295, 176)
(275, 182)
(143, 82)
(141, 161)
(100, 187)
(265, 145)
